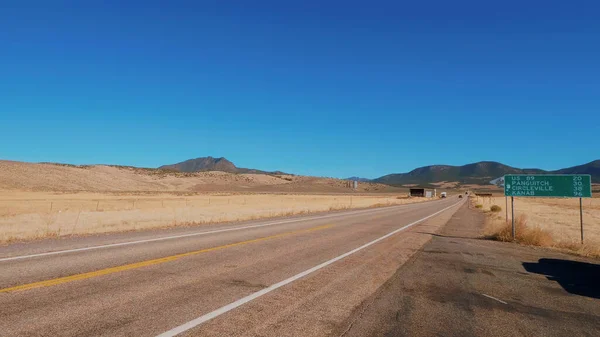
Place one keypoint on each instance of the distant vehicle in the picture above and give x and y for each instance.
(460, 196)
(443, 194)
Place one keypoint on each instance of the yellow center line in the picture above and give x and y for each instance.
(146, 263)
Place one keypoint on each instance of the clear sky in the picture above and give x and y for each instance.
(332, 88)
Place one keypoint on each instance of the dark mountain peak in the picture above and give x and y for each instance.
(486, 165)
(592, 168)
(487, 169)
(212, 164)
(595, 163)
(436, 167)
(488, 162)
(202, 164)
(477, 173)
(430, 168)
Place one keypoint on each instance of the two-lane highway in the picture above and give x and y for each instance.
(298, 276)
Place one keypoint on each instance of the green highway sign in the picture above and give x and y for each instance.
(548, 185)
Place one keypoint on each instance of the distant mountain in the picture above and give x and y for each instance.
(592, 168)
(477, 173)
(481, 173)
(363, 180)
(202, 164)
(211, 164)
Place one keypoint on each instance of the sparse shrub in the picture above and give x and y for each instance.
(381, 204)
(497, 229)
(495, 208)
(590, 250)
(526, 235)
(479, 206)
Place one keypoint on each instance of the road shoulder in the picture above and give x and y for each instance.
(460, 285)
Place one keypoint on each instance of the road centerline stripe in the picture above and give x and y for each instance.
(111, 245)
(136, 265)
(222, 310)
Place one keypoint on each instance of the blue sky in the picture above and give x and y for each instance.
(335, 88)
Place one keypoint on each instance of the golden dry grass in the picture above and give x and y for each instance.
(547, 223)
(446, 184)
(524, 234)
(19, 176)
(30, 215)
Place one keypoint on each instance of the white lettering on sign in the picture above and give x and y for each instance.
(524, 193)
(548, 185)
(577, 186)
(532, 183)
(529, 186)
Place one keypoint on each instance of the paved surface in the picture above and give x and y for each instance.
(459, 285)
(150, 287)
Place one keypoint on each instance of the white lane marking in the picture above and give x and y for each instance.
(12, 258)
(195, 322)
(495, 299)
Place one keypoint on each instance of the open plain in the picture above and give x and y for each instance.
(557, 217)
(31, 215)
(54, 200)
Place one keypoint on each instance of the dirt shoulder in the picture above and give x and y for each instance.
(460, 285)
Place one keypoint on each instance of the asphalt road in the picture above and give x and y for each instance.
(292, 277)
(461, 285)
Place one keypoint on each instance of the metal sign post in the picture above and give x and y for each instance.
(506, 208)
(512, 206)
(581, 218)
(549, 186)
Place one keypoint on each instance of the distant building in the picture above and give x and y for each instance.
(416, 192)
(420, 192)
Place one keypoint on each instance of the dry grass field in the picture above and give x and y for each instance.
(30, 215)
(549, 221)
(446, 184)
(19, 176)
(48, 200)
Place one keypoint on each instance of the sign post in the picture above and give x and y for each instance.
(548, 186)
(581, 218)
(512, 206)
(506, 208)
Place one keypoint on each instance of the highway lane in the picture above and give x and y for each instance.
(102, 241)
(149, 288)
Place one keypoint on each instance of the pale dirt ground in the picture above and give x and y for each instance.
(29, 215)
(560, 217)
(446, 184)
(19, 176)
(43, 200)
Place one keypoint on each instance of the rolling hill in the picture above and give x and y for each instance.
(204, 164)
(480, 173)
(592, 168)
(54, 177)
(477, 173)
